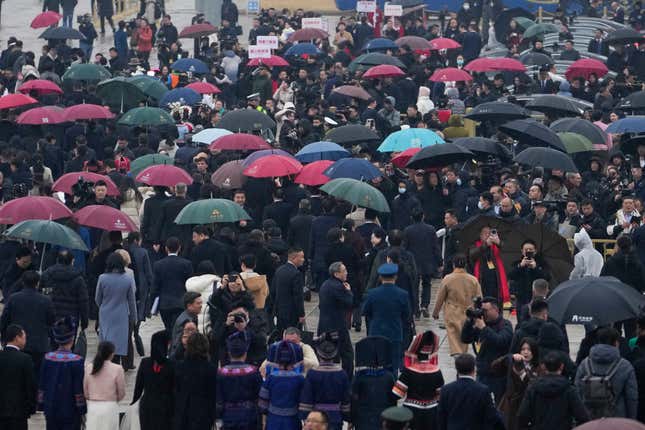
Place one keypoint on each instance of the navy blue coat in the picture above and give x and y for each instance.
(421, 240)
(319, 243)
(35, 313)
(480, 413)
(334, 302)
(387, 309)
(170, 275)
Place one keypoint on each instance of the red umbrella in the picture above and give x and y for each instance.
(450, 74)
(46, 19)
(272, 61)
(308, 34)
(383, 71)
(239, 142)
(66, 182)
(204, 88)
(197, 31)
(585, 67)
(353, 91)
(104, 217)
(87, 111)
(402, 159)
(11, 101)
(312, 173)
(42, 115)
(164, 175)
(33, 207)
(443, 43)
(273, 166)
(494, 64)
(414, 42)
(41, 86)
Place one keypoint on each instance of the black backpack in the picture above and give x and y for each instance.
(598, 392)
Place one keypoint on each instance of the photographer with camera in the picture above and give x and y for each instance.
(626, 219)
(526, 270)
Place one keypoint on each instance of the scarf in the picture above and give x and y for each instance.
(502, 281)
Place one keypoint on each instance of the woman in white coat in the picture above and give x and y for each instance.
(203, 282)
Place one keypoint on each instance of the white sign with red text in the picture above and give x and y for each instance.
(312, 23)
(256, 51)
(365, 6)
(267, 41)
(393, 10)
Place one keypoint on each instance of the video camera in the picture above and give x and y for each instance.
(476, 311)
(83, 189)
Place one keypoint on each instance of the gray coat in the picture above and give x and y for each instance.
(117, 308)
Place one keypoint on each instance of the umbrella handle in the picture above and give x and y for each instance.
(42, 258)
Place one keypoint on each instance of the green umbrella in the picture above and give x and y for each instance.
(210, 211)
(523, 22)
(150, 86)
(540, 29)
(146, 117)
(359, 193)
(575, 142)
(149, 160)
(120, 92)
(86, 72)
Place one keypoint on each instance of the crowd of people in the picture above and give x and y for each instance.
(235, 350)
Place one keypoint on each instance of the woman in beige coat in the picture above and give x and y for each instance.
(456, 294)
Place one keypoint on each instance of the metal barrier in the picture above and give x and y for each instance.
(605, 246)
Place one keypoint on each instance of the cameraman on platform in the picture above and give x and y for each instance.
(491, 336)
(86, 27)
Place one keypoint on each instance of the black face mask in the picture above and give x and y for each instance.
(505, 214)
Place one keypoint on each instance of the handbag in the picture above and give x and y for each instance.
(80, 346)
(138, 342)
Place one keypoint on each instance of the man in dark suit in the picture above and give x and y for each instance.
(169, 211)
(170, 275)
(597, 45)
(207, 248)
(151, 222)
(544, 83)
(286, 293)
(300, 226)
(33, 311)
(18, 394)
(142, 273)
(280, 211)
(471, 43)
(319, 244)
(480, 413)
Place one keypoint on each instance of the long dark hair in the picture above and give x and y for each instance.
(535, 350)
(103, 353)
(115, 264)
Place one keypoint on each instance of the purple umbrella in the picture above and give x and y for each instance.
(263, 153)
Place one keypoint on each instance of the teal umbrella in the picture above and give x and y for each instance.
(149, 160)
(86, 72)
(540, 30)
(120, 92)
(523, 22)
(150, 86)
(575, 142)
(210, 211)
(146, 117)
(357, 192)
(401, 140)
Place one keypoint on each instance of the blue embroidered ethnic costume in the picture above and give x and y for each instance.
(238, 385)
(327, 389)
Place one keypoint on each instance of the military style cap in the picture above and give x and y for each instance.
(388, 269)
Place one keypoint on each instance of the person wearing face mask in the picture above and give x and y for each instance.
(464, 14)
(402, 207)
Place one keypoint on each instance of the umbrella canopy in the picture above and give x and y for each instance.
(631, 124)
(164, 175)
(383, 71)
(634, 101)
(439, 156)
(358, 193)
(150, 86)
(554, 105)
(86, 72)
(366, 61)
(611, 423)
(246, 120)
(585, 67)
(204, 88)
(414, 42)
(318, 151)
(409, 138)
(273, 166)
(272, 61)
(352, 91)
(190, 65)
(120, 92)
(312, 173)
(594, 300)
(575, 142)
(209, 135)
(546, 158)
(302, 49)
(523, 22)
(532, 133)
(251, 158)
(540, 30)
(140, 163)
(355, 168)
(40, 86)
(229, 176)
(497, 112)
(47, 231)
(450, 74)
(183, 96)
(239, 142)
(146, 117)
(104, 217)
(209, 211)
(42, 116)
(623, 36)
(503, 20)
(583, 127)
(87, 112)
(404, 157)
(12, 101)
(483, 148)
(46, 19)
(33, 207)
(443, 43)
(535, 59)
(352, 133)
(379, 44)
(631, 146)
(68, 180)
(196, 31)
(61, 33)
(485, 64)
(307, 34)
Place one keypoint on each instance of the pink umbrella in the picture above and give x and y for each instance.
(41, 86)
(239, 142)
(204, 88)
(585, 67)
(352, 91)
(312, 173)
(197, 30)
(164, 175)
(11, 101)
(66, 182)
(33, 207)
(443, 43)
(494, 64)
(272, 61)
(42, 116)
(402, 159)
(306, 34)
(104, 217)
(273, 166)
(46, 19)
(450, 74)
(383, 71)
(87, 112)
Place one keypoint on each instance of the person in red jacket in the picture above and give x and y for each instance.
(144, 45)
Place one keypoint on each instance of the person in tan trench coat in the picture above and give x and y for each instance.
(456, 294)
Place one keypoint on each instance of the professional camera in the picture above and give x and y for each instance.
(476, 311)
(239, 317)
(83, 189)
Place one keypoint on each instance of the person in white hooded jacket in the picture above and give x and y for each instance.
(424, 104)
(588, 261)
(203, 282)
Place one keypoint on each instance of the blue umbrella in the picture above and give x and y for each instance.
(630, 124)
(185, 96)
(410, 138)
(321, 151)
(379, 44)
(301, 49)
(190, 65)
(354, 168)
(263, 153)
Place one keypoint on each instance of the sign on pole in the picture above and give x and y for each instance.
(365, 6)
(393, 10)
(268, 41)
(256, 51)
(312, 23)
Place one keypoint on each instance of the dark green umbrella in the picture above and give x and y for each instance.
(150, 86)
(540, 30)
(575, 142)
(86, 72)
(523, 22)
(149, 160)
(357, 192)
(146, 117)
(210, 211)
(120, 92)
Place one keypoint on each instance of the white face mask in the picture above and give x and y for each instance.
(402, 190)
(466, 6)
(458, 181)
(480, 205)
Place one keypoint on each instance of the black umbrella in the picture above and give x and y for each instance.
(375, 59)
(529, 132)
(577, 125)
(554, 105)
(439, 156)
(61, 33)
(630, 146)
(503, 21)
(594, 300)
(245, 120)
(634, 101)
(497, 112)
(546, 158)
(535, 59)
(483, 147)
(624, 36)
(353, 133)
